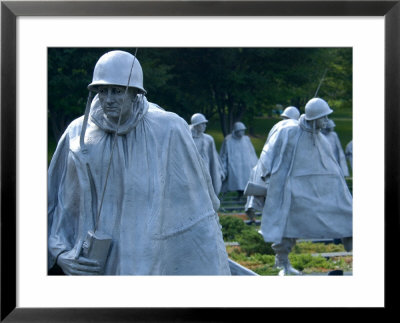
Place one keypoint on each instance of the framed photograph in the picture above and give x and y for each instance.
(28, 29)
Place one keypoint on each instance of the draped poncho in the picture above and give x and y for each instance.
(307, 195)
(258, 202)
(238, 157)
(159, 205)
(337, 151)
(281, 124)
(206, 147)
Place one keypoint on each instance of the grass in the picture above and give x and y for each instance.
(301, 258)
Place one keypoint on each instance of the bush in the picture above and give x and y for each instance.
(251, 242)
(231, 227)
(264, 259)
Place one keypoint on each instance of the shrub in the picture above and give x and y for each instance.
(264, 259)
(252, 242)
(231, 227)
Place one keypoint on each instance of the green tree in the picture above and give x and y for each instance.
(225, 84)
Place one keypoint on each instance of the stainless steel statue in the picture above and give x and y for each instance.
(333, 138)
(127, 193)
(238, 158)
(349, 153)
(289, 116)
(291, 112)
(206, 147)
(307, 196)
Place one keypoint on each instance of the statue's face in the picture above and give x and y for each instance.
(321, 122)
(240, 133)
(201, 127)
(112, 99)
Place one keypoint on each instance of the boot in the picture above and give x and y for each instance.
(251, 214)
(348, 243)
(282, 262)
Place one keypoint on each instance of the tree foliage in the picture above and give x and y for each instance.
(225, 84)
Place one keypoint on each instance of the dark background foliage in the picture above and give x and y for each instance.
(252, 85)
(225, 84)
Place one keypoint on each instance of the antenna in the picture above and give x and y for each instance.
(320, 82)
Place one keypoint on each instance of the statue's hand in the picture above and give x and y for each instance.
(79, 266)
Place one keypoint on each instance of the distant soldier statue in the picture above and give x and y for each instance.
(290, 115)
(127, 191)
(333, 138)
(349, 153)
(291, 112)
(238, 158)
(206, 147)
(306, 194)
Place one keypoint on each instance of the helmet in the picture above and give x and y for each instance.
(291, 113)
(114, 68)
(197, 119)
(238, 126)
(317, 108)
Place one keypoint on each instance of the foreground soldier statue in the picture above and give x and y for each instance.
(333, 138)
(206, 147)
(238, 157)
(307, 196)
(152, 219)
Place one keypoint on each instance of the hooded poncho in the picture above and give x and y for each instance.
(281, 124)
(258, 202)
(159, 205)
(238, 157)
(206, 147)
(337, 150)
(307, 195)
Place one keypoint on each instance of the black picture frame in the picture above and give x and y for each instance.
(10, 10)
